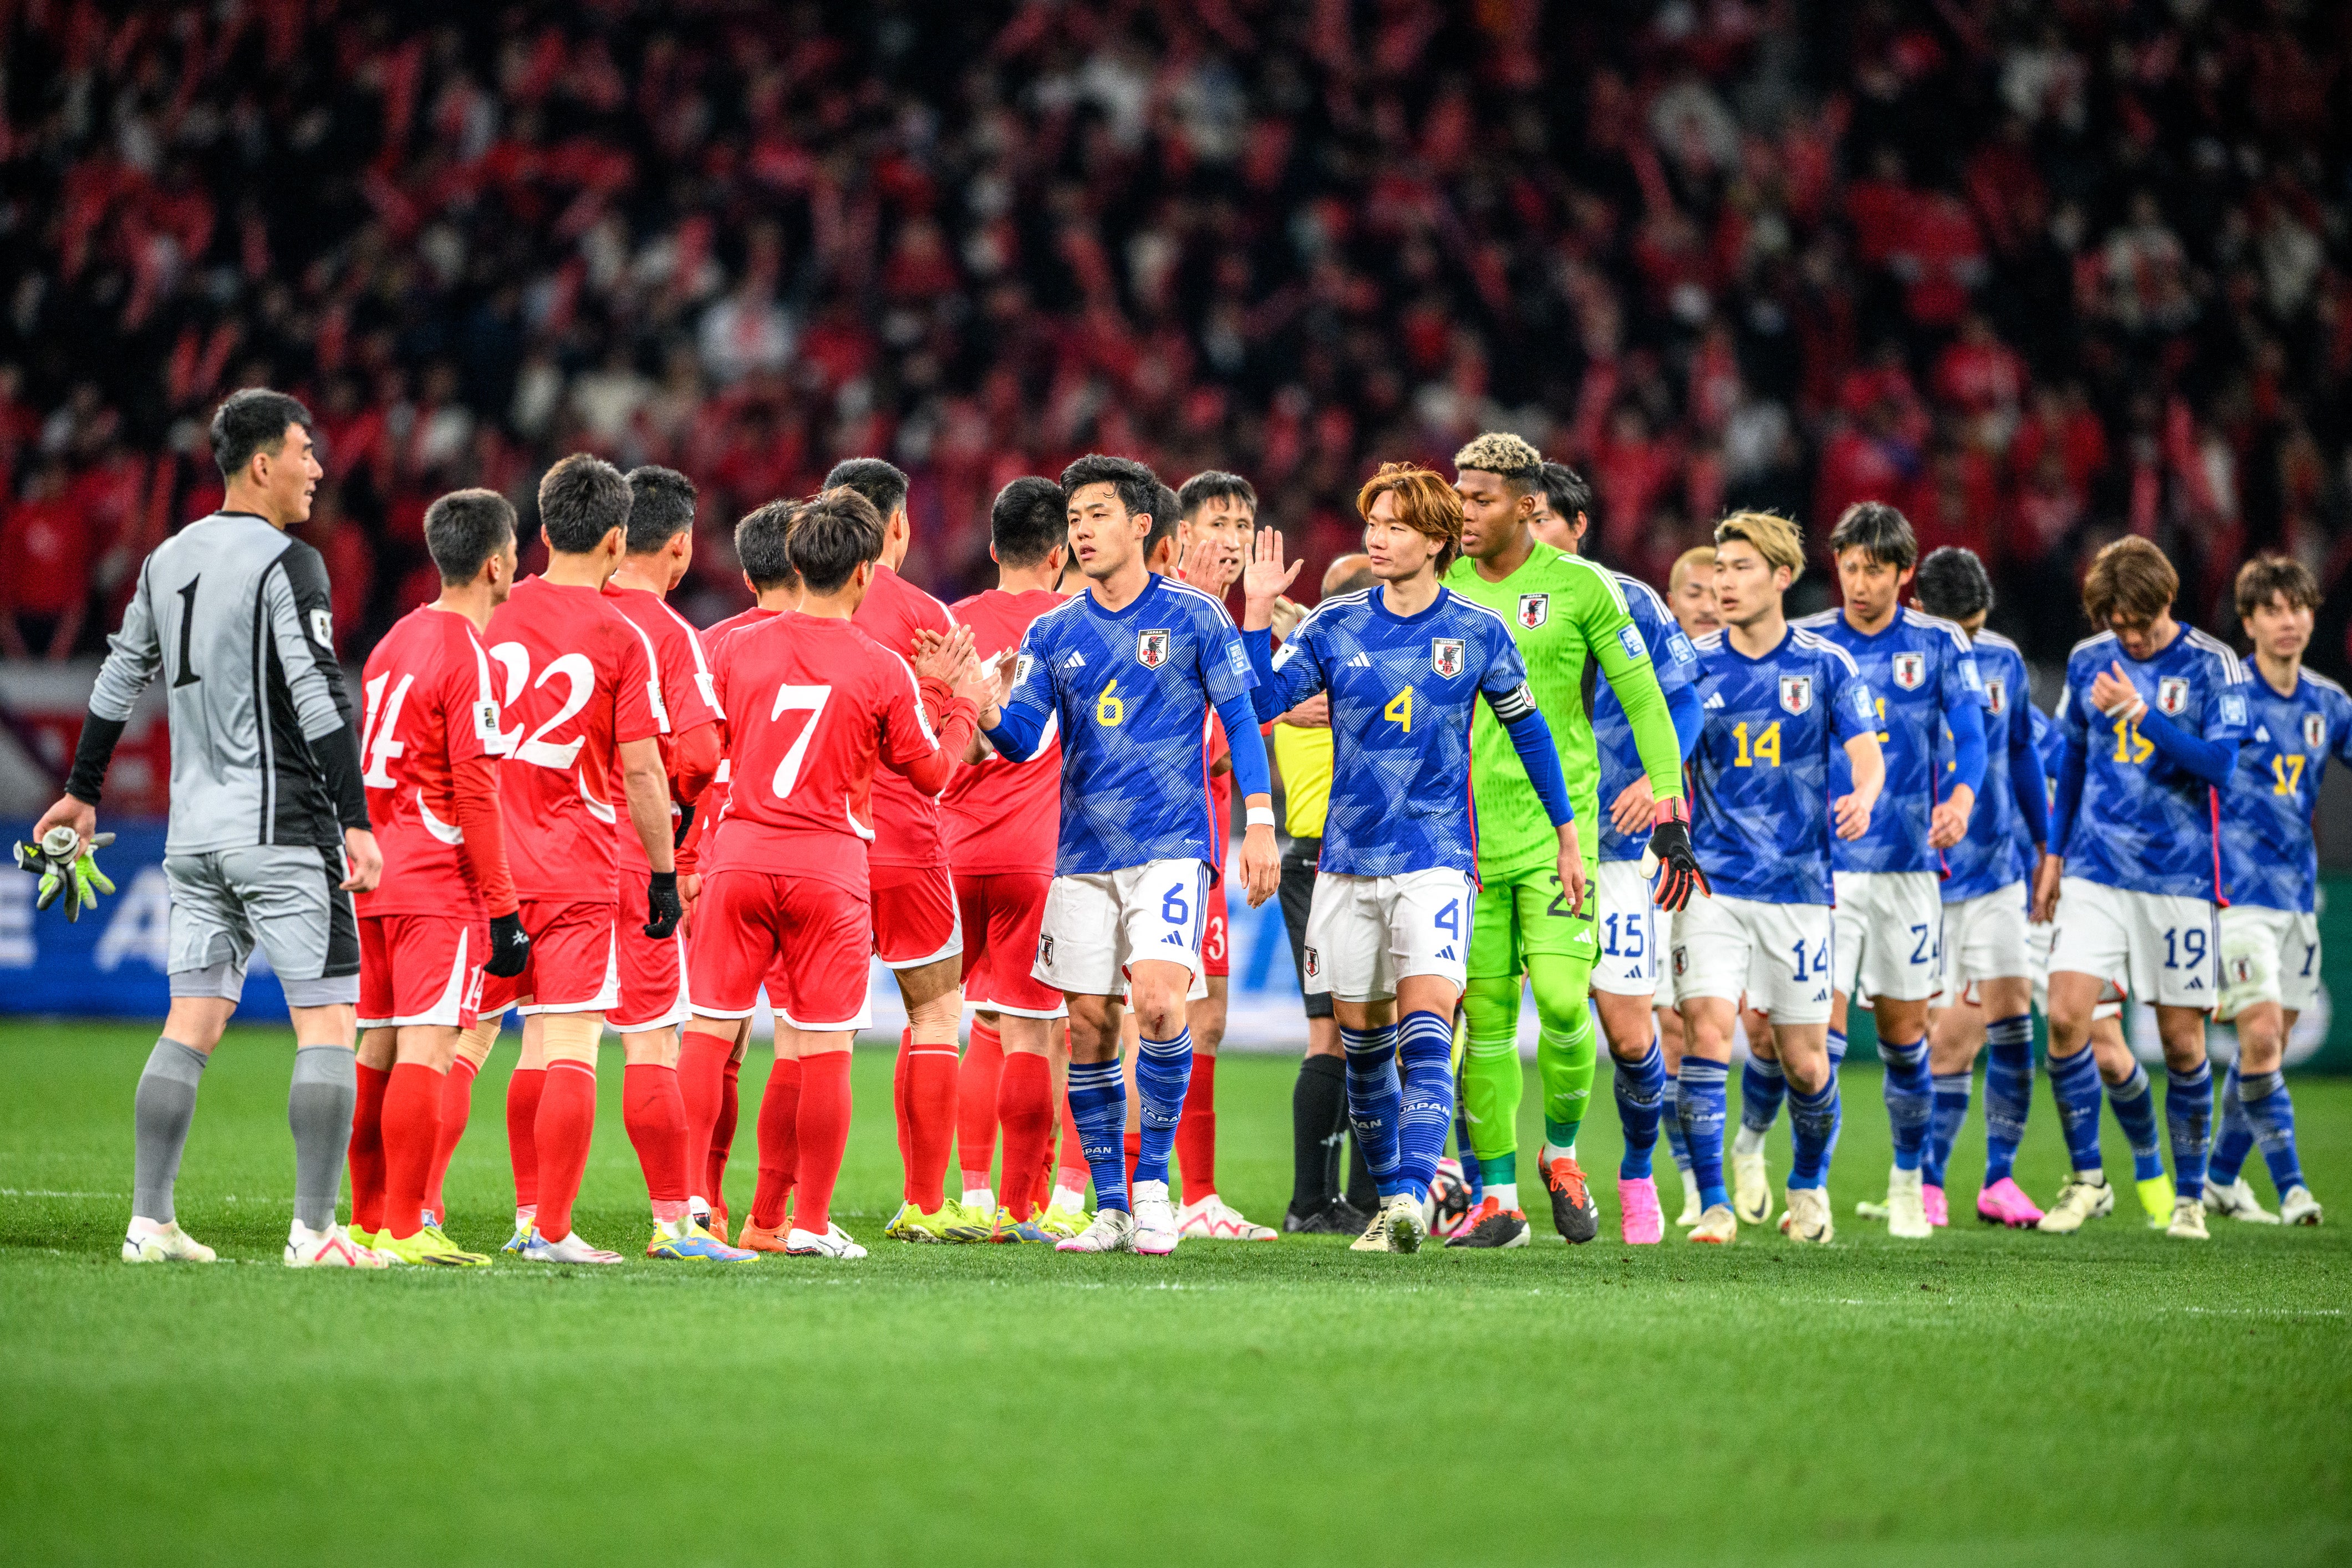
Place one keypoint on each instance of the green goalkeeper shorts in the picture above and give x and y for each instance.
(1524, 914)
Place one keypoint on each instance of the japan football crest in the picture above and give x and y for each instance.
(1796, 693)
(1445, 656)
(1314, 963)
(1535, 609)
(2315, 732)
(1152, 649)
(1997, 696)
(2171, 696)
(1910, 669)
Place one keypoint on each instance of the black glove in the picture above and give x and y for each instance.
(509, 947)
(1679, 870)
(662, 905)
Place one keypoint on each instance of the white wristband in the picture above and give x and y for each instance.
(1259, 817)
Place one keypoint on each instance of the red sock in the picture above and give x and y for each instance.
(1024, 1104)
(1070, 1168)
(701, 1086)
(976, 1095)
(824, 1133)
(1134, 1152)
(367, 1150)
(655, 1115)
(780, 1109)
(456, 1107)
(1196, 1130)
(525, 1089)
(567, 1117)
(931, 1118)
(898, 1101)
(723, 1134)
(412, 1127)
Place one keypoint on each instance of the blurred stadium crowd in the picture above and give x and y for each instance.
(2038, 270)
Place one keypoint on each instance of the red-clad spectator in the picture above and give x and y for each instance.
(2049, 511)
(1631, 472)
(1978, 374)
(44, 570)
(2062, 421)
(1940, 257)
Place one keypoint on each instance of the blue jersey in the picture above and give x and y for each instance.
(1921, 674)
(1760, 779)
(2267, 854)
(1404, 689)
(1672, 656)
(1997, 851)
(1129, 692)
(2144, 825)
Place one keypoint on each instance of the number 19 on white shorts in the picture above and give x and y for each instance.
(1365, 933)
(1099, 923)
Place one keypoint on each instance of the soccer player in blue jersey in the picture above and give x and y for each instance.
(1988, 989)
(1923, 681)
(1405, 664)
(2153, 714)
(1781, 702)
(1127, 673)
(2270, 937)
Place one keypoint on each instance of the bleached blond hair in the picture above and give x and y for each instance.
(1500, 452)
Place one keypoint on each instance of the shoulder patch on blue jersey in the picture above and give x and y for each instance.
(1631, 641)
(1236, 659)
(1679, 649)
(1970, 677)
(2233, 708)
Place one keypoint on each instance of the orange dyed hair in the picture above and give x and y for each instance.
(1424, 503)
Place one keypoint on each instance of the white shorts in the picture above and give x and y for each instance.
(1628, 963)
(2038, 939)
(1780, 956)
(1665, 926)
(2268, 955)
(2164, 948)
(1366, 933)
(1099, 923)
(1888, 926)
(1984, 938)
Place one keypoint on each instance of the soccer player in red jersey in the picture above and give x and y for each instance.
(445, 908)
(816, 707)
(917, 928)
(578, 695)
(1002, 823)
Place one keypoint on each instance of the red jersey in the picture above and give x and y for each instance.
(1004, 817)
(713, 803)
(818, 706)
(430, 707)
(907, 821)
(684, 695)
(578, 688)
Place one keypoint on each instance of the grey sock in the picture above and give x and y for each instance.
(319, 1108)
(162, 1111)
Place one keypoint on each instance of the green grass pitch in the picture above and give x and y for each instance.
(2113, 1397)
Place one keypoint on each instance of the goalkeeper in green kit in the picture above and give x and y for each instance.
(1567, 615)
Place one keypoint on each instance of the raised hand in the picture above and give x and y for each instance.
(1265, 578)
(944, 658)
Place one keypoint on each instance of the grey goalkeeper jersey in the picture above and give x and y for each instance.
(236, 618)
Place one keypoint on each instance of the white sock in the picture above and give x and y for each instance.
(1068, 1198)
(1503, 1193)
(1551, 1151)
(1746, 1141)
(980, 1198)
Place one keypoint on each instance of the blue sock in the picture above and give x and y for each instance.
(2189, 1115)
(1762, 1087)
(2009, 1091)
(1910, 1098)
(1700, 1104)
(2136, 1110)
(2234, 1135)
(1948, 1112)
(1163, 1070)
(1099, 1109)
(2075, 1085)
(1375, 1100)
(2269, 1115)
(1424, 1053)
(1812, 1119)
(1670, 1117)
(1641, 1095)
(1836, 1043)
(1474, 1174)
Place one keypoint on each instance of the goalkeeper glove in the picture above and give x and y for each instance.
(662, 905)
(1679, 872)
(65, 866)
(509, 947)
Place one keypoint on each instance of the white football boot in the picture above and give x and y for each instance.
(149, 1241)
(835, 1243)
(1718, 1226)
(2236, 1201)
(2088, 1196)
(1809, 1215)
(1111, 1230)
(2298, 1207)
(1691, 1210)
(329, 1248)
(573, 1248)
(1408, 1223)
(1156, 1234)
(1906, 1211)
(1214, 1219)
(1751, 1187)
(2187, 1220)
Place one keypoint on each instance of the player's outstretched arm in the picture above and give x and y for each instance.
(1853, 811)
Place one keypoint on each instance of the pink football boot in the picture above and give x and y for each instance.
(1640, 1221)
(2005, 1203)
(1932, 1200)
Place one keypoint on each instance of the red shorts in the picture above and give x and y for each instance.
(809, 941)
(1007, 912)
(420, 970)
(915, 918)
(573, 965)
(653, 979)
(1217, 956)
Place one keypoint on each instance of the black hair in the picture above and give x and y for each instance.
(580, 501)
(1136, 486)
(1213, 484)
(252, 421)
(761, 546)
(1952, 584)
(1879, 530)
(829, 536)
(1566, 492)
(1028, 522)
(884, 484)
(661, 507)
(466, 528)
(1165, 510)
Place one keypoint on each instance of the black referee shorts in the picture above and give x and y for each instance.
(1298, 858)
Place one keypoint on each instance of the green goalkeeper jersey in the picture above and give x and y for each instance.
(1563, 611)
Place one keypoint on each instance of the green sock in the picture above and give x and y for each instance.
(1492, 1080)
(1568, 1048)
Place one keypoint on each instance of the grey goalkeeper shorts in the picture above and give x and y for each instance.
(286, 897)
